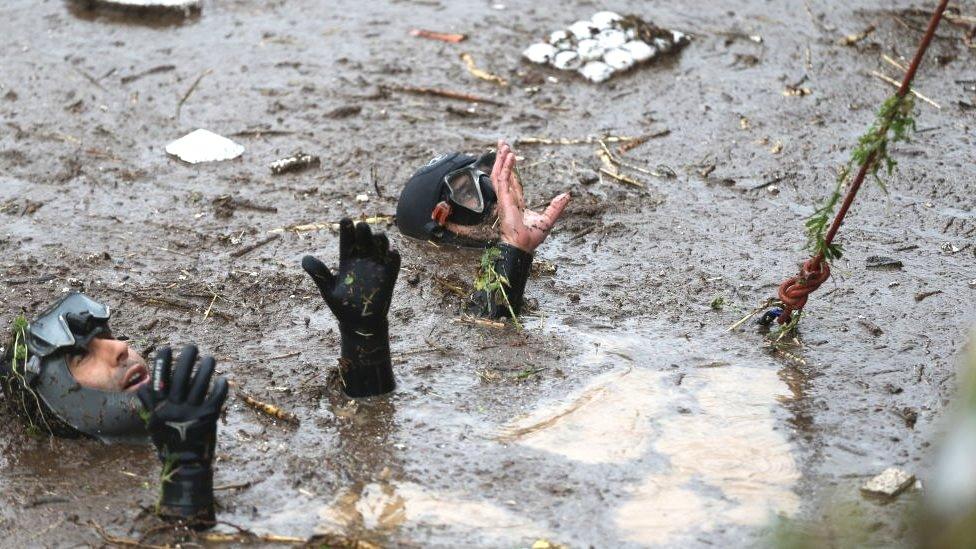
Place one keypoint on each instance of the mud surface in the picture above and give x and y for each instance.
(624, 414)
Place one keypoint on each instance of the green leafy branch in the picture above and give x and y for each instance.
(893, 123)
(20, 355)
(165, 476)
(493, 283)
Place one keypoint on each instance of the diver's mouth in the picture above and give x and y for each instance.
(137, 375)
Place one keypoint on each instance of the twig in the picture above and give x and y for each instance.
(480, 322)
(479, 73)
(248, 249)
(452, 38)
(564, 141)
(638, 141)
(852, 39)
(154, 70)
(896, 64)
(896, 84)
(268, 409)
(206, 314)
(238, 486)
(461, 96)
(308, 227)
(120, 541)
(286, 355)
(217, 537)
(88, 77)
(193, 86)
(622, 178)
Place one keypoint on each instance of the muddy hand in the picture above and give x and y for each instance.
(359, 295)
(520, 227)
(182, 421)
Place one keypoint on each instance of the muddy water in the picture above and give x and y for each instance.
(624, 414)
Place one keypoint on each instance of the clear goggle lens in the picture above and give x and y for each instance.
(466, 190)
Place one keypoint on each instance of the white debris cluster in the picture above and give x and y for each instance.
(604, 45)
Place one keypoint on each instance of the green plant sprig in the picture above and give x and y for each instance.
(493, 283)
(893, 123)
(18, 367)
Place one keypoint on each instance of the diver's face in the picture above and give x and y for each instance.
(110, 365)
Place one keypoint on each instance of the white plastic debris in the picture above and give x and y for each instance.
(605, 45)
(558, 37)
(611, 38)
(583, 29)
(541, 53)
(204, 146)
(589, 50)
(889, 483)
(567, 60)
(618, 59)
(604, 19)
(596, 71)
(640, 51)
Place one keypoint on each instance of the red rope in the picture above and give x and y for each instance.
(794, 291)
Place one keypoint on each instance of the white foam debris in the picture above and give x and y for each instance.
(204, 146)
(605, 45)
(589, 50)
(567, 60)
(618, 59)
(596, 71)
(541, 53)
(891, 482)
(611, 38)
(583, 29)
(605, 19)
(640, 51)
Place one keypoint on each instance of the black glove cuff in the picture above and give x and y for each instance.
(365, 367)
(515, 265)
(188, 493)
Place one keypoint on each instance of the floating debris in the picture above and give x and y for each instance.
(451, 38)
(294, 163)
(204, 146)
(479, 73)
(890, 483)
(268, 409)
(881, 263)
(605, 45)
(184, 7)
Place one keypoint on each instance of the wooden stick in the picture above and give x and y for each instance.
(896, 84)
(248, 249)
(452, 38)
(439, 92)
(268, 409)
(478, 73)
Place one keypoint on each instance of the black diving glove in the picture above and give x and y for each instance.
(359, 296)
(183, 425)
(503, 267)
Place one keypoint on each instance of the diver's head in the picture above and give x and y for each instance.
(66, 365)
(451, 200)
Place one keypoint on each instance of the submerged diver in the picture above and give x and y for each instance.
(452, 200)
(65, 374)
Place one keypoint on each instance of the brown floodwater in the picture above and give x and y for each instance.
(624, 414)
